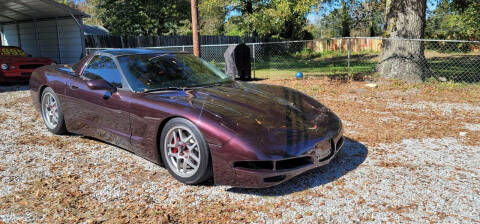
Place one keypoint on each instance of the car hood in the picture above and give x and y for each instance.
(275, 122)
(16, 59)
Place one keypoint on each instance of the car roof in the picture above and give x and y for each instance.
(130, 51)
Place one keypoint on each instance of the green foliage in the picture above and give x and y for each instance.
(143, 17)
(457, 19)
(307, 53)
(233, 27)
(345, 19)
(329, 25)
(351, 18)
(70, 3)
(275, 18)
(212, 15)
(88, 6)
(470, 18)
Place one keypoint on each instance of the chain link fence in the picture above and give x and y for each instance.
(446, 60)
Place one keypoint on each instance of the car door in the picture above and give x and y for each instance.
(102, 114)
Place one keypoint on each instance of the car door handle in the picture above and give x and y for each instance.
(73, 87)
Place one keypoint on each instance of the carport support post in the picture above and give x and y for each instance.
(59, 44)
(1, 34)
(18, 35)
(82, 35)
(37, 43)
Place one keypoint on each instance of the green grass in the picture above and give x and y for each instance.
(311, 64)
(455, 67)
(329, 63)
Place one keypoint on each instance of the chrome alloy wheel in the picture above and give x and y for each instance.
(182, 151)
(50, 111)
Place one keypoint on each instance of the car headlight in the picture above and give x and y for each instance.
(4, 66)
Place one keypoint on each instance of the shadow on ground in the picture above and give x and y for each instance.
(251, 80)
(349, 158)
(11, 87)
(459, 68)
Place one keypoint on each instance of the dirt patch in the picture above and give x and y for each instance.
(395, 110)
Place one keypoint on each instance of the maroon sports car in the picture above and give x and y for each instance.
(178, 110)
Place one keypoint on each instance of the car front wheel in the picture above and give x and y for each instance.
(52, 112)
(185, 152)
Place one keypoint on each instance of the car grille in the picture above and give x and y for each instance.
(30, 66)
(26, 73)
(278, 165)
(290, 163)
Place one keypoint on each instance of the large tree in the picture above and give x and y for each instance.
(368, 17)
(404, 59)
(143, 17)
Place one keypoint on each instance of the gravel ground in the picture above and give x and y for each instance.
(47, 178)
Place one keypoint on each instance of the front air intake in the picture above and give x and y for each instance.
(293, 163)
(254, 165)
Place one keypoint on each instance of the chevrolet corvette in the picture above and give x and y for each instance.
(178, 111)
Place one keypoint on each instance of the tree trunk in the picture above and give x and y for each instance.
(404, 59)
(195, 28)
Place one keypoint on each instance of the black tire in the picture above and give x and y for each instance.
(204, 170)
(59, 128)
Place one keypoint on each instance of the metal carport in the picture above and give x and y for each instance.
(43, 28)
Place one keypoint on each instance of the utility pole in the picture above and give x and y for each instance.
(195, 29)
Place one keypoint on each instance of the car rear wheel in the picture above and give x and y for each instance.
(52, 112)
(185, 152)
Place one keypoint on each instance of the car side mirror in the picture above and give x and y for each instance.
(100, 84)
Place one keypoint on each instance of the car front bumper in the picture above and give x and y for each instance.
(262, 178)
(15, 76)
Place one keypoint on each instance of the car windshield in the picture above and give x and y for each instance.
(12, 51)
(149, 72)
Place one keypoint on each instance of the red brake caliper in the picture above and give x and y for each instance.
(174, 150)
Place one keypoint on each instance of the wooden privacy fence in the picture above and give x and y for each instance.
(112, 41)
(356, 45)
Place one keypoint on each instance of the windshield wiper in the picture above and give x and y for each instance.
(166, 88)
(213, 84)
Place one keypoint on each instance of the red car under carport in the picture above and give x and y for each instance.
(17, 66)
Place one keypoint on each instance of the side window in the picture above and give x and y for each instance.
(103, 67)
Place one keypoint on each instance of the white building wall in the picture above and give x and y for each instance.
(28, 39)
(59, 39)
(47, 40)
(70, 40)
